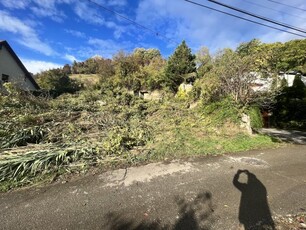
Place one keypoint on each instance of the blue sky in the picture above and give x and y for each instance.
(50, 33)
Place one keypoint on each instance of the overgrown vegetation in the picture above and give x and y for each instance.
(74, 124)
(290, 109)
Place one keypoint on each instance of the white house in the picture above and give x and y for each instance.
(261, 84)
(12, 70)
(289, 76)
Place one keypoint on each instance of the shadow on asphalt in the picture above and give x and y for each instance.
(290, 136)
(254, 211)
(195, 214)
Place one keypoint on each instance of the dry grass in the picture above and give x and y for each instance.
(88, 80)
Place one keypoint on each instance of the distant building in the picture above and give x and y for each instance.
(263, 84)
(12, 70)
(289, 76)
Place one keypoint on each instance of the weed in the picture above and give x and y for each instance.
(109, 129)
(255, 116)
(22, 137)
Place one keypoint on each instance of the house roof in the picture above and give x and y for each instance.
(17, 60)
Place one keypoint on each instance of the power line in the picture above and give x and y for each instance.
(245, 19)
(132, 21)
(259, 17)
(263, 6)
(294, 7)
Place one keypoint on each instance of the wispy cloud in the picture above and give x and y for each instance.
(71, 58)
(36, 66)
(95, 46)
(52, 13)
(27, 36)
(109, 46)
(76, 33)
(117, 2)
(199, 26)
(50, 9)
(88, 14)
(91, 14)
(15, 4)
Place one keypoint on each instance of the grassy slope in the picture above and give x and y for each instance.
(87, 80)
(181, 132)
(75, 132)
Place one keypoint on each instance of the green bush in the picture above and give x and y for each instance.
(255, 116)
(222, 111)
(57, 82)
(123, 138)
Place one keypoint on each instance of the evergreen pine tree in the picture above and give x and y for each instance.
(179, 65)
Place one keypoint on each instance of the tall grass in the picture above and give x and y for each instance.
(23, 167)
(109, 128)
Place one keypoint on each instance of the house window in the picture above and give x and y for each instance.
(5, 78)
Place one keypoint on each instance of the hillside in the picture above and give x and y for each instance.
(88, 80)
(87, 117)
(43, 138)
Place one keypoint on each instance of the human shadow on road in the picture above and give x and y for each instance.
(254, 211)
(195, 215)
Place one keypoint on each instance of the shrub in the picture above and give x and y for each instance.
(57, 82)
(222, 111)
(255, 116)
(123, 138)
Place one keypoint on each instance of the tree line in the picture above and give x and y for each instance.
(227, 73)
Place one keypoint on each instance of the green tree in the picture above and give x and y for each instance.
(180, 64)
(249, 48)
(144, 56)
(284, 83)
(266, 56)
(91, 65)
(55, 80)
(125, 66)
(150, 75)
(232, 76)
(294, 56)
(298, 88)
(203, 61)
(67, 69)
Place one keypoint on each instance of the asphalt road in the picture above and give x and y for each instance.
(205, 193)
(291, 136)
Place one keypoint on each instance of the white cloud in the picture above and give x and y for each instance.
(276, 36)
(45, 3)
(199, 26)
(105, 48)
(52, 13)
(50, 9)
(35, 66)
(180, 20)
(114, 3)
(90, 14)
(28, 36)
(40, 8)
(117, 2)
(108, 46)
(15, 4)
(70, 58)
(76, 33)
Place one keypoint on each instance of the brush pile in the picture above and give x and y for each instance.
(42, 136)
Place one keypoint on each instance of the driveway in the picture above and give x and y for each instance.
(205, 193)
(292, 136)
